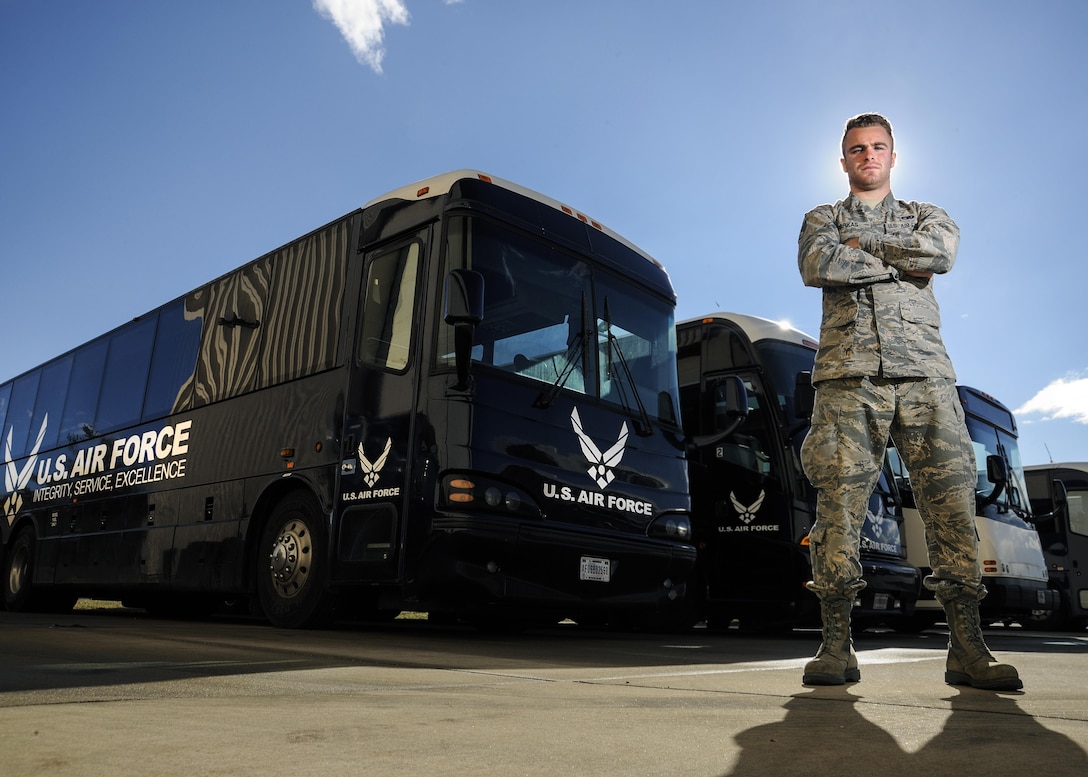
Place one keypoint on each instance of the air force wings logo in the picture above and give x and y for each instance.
(601, 464)
(15, 480)
(373, 469)
(747, 514)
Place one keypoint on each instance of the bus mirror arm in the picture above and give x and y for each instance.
(1060, 501)
(463, 309)
(731, 401)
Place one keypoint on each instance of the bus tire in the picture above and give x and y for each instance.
(18, 571)
(20, 594)
(292, 565)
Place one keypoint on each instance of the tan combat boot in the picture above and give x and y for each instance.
(969, 660)
(835, 662)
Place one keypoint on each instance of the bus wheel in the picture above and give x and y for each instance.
(18, 571)
(18, 574)
(292, 566)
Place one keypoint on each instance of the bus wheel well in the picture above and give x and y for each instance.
(17, 563)
(289, 527)
(262, 510)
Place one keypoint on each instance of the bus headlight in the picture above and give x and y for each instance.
(483, 493)
(672, 527)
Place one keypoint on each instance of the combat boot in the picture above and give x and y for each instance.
(835, 662)
(969, 660)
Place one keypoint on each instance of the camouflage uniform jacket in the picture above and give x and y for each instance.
(877, 321)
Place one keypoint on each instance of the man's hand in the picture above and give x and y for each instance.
(924, 274)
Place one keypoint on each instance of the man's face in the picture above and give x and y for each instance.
(868, 158)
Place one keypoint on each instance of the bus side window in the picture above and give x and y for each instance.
(302, 318)
(5, 396)
(50, 402)
(19, 416)
(177, 342)
(231, 311)
(127, 363)
(388, 297)
(84, 386)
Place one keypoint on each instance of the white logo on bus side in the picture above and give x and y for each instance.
(15, 480)
(373, 469)
(747, 514)
(601, 464)
(150, 457)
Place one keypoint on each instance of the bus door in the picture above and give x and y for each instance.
(749, 556)
(1062, 522)
(378, 418)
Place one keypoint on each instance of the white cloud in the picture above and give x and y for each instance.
(362, 23)
(1064, 398)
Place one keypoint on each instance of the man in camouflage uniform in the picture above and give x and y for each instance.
(882, 370)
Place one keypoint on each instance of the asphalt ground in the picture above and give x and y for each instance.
(115, 692)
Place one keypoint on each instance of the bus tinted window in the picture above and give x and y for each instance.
(5, 395)
(19, 416)
(125, 379)
(302, 325)
(83, 389)
(387, 308)
(177, 342)
(50, 403)
(232, 310)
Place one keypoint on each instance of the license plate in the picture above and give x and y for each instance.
(595, 569)
(880, 601)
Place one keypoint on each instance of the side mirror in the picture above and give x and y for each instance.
(729, 406)
(804, 396)
(997, 472)
(463, 309)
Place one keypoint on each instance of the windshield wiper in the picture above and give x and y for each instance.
(644, 428)
(576, 352)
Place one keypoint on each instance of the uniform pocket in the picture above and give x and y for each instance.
(920, 311)
(821, 450)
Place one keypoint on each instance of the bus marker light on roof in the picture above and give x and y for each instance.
(423, 191)
(484, 178)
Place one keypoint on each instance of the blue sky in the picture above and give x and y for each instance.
(148, 147)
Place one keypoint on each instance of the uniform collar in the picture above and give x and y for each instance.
(854, 203)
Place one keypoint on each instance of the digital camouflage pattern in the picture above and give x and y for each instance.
(876, 320)
(842, 457)
(882, 370)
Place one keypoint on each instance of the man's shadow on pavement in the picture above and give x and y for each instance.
(985, 734)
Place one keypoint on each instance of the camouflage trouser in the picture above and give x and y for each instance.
(843, 455)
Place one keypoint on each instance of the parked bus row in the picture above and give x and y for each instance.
(468, 399)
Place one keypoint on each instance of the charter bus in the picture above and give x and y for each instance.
(752, 506)
(1010, 557)
(1059, 501)
(460, 398)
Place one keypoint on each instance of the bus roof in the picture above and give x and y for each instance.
(439, 185)
(758, 329)
(1078, 465)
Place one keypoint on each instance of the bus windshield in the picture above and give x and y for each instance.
(551, 317)
(988, 440)
(783, 361)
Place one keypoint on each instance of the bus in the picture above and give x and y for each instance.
(459, 399)
(1010, 557)
(752, 506)
(1059, 500)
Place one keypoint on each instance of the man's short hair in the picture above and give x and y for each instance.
(868, 120)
